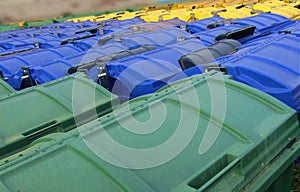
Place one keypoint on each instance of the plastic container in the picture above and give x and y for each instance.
(181, 14)
(154, 15)
(80, 19)
(293, 29)
(56, 69)
(201, 25)
(209, 37)
(114, 15)
(233, 13)
(5, 89)
(31, 24)
(15, 44)
(253, 149)
(101, 61)
(158, 38)
(271, 68)
(196, 70)
(49, 108)
(205, 55)
(8, 27)
(11, 66)
(86, 43)
(244, 30)
(142, 74)
(265, 23)
(189, 5)
(284, 10)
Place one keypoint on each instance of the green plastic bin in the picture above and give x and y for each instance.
(9, 27)
(35, 112)
(254, 150)
(30, 24)
(5, 89)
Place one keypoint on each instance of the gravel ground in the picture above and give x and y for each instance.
(296, 179)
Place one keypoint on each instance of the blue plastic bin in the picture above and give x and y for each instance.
(201, 25)
(145, 73)
(158, 38)
(265, 23)
(57, 69)
(272, 67)
(11, 66)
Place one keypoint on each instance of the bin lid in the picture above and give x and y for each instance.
(49, 108)
(158, 139)
(271, 68)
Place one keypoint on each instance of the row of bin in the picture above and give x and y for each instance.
(200, 10)
(125, 77)
(183, 11)
(262, 64)
(211, 101)
(50, 36)
(253, 149)
(40, 23)
(228, 12)
(39, 61)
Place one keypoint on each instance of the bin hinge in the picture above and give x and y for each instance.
(26, 80)
(102, 75)
(2, 76)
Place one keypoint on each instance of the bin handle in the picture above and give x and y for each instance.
(104, 40)
(103, 59)
(36, 46)
(237, 34)
(215, 170)
(42, 130)
(218, 23)
(92, 30)
(76, 38)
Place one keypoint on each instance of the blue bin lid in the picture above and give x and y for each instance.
(143, 77)
(67, 50)
(12, 44)
(266, 22)
(83, 24)
(208, 37)
(271, 68)
(48, 72)
(10, 66)
(57, 69)
(158, 38)
(39, 57)
(69, 25)
(86, 43)
(199, 69)
(138, 75)
(293, 28)
(113, 22)
(201, 25)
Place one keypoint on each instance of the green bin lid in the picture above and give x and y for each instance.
(37, 111)
(9, 27)
(5, 89)
(144, 134)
